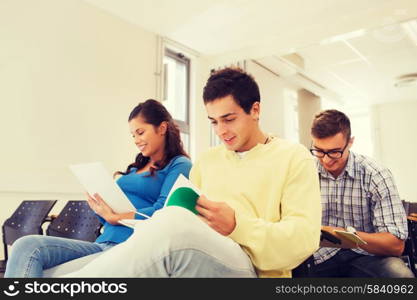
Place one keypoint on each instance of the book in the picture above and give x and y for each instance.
(183, 193)
(96, 179)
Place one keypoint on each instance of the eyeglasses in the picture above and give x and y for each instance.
(334, 154)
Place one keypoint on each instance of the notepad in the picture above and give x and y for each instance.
(351, 237)
(96, 179)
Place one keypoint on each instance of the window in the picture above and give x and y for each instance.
(176, 91)
(360, 123)
(214, 139)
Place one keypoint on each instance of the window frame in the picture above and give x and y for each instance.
(180, 57)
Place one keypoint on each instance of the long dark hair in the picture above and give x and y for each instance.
(154, 113)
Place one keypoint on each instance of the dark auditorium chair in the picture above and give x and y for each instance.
(75, 221)
(27, 219)
(410, 251)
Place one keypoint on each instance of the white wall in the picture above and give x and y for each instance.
(69, 76)
(308, 106)
(395, 143)
(271, 88)
(200, 125)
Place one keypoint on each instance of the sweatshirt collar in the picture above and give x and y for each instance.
(255, 149)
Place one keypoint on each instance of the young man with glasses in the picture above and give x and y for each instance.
(358, 196)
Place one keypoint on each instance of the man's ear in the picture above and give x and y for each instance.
(352, 139)
(255, 110)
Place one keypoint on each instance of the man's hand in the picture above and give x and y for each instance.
(218, 215)
(100, 207)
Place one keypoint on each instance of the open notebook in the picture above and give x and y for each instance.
(183, 193)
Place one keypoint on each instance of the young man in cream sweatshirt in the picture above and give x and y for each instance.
(260, 212)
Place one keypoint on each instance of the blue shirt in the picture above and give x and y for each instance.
(147, 193)
(363, 196)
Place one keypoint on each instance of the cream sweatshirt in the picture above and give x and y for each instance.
(274, 190)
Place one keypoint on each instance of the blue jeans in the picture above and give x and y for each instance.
(32, 254)
(173, 243)
(347, 263)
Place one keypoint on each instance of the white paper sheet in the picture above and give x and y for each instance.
(130, 222)
(96, 179)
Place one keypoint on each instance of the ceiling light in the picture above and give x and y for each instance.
(406, 80)
(343, 37)
(411, 29)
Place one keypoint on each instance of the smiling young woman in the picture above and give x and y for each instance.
(146, 182)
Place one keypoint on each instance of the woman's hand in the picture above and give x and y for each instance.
(100, 207)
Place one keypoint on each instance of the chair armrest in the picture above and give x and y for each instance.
(50, 218)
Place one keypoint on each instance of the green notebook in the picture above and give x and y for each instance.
(183, 194)
(184, 197)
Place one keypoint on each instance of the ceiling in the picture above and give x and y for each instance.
(362, 67)
(351, 50)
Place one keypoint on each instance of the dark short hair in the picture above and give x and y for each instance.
(234, 82)
(329, 123)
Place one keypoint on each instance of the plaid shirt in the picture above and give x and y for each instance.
(364, 196)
